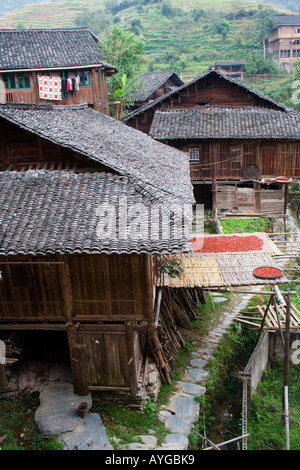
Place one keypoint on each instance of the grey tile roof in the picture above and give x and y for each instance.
(156, 169)
(162, 99)
(59, 212)
(287, 20)
(48, 48)
(225, 123)
(231, 62)
(149, 82)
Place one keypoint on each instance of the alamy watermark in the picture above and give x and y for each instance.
(134, 222)
(295, 357)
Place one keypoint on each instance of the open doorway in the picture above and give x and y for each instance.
(35, 358)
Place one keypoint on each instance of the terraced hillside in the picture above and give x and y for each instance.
(59, 14)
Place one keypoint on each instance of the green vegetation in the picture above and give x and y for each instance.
(18, 430)
(260, 224)
(209, 314)
(265, 426)
(222, 387)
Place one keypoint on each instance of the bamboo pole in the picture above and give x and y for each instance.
(286, 371)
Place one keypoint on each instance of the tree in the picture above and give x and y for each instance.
(264, 24)
(126, 52)
(223, 28)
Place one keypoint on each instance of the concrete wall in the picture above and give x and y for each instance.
(258, 361)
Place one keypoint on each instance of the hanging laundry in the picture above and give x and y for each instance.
(50, 88)
(64, 88)
(70, 84)
(77, 80)
(73, 86)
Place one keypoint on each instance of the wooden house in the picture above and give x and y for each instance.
(284, 40)
(78, 244)
(232, 68)
(57, 66)
(152, 85)
(242, 146)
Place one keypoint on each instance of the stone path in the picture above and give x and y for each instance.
(182, 411)
(57, 415)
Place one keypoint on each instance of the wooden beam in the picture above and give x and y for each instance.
(34, 326)
(67, 293)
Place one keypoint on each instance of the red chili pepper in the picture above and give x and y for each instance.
(226, 244)
(267, 272)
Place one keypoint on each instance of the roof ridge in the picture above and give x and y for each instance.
(199, 77)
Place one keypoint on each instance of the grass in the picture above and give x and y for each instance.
(261, 224)
(18, 430)
(230, 356)
(265, 425)
(123, 423)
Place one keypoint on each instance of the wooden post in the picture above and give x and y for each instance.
(3, 378)
(131, 359)
(67, 294)
(285, 409)
(79, 363)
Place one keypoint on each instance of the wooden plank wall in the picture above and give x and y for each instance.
(114, 353)
(94, 94)
(221, 160)
(30, 292)
(110, 288)
(21, 149)
(255, 199)
(102, 288)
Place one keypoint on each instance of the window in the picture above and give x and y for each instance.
(296, 53)
(285, 54)
(194, 154)
(85, 77)
(18, 80)
(236, 154)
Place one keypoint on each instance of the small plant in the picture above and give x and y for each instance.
(170, 265)
(150, 407)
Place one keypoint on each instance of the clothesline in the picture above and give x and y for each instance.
(57, 88)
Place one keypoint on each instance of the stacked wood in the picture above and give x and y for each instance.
(177, 310)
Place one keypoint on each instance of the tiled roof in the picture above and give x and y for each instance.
(225, 123)
(231, 62)
(155, 169)
(48, 48)
(287, 20)
(165, 97)
(152, 81)
(60, 212)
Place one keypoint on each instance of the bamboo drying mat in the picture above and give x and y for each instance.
(217, 270)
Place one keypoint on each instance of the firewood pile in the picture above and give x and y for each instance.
(177, 310)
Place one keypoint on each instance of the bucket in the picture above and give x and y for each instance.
(82, 408)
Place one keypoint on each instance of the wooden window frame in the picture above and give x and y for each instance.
(15, 75)
(194, 154)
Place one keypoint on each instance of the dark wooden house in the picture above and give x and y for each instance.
(78, 244)
(242, 146)
(232, 68)
(58, 66)
(152, 85)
